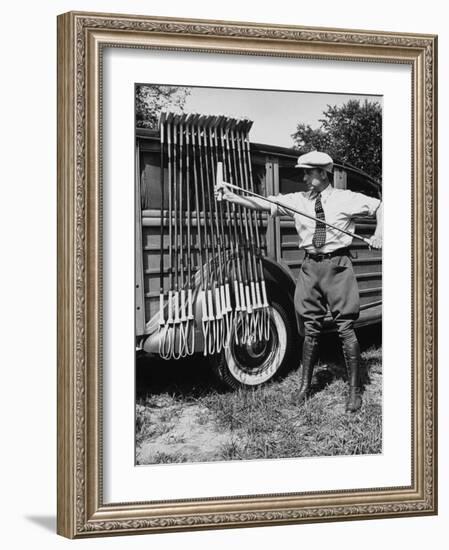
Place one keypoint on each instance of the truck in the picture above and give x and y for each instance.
(255, 361)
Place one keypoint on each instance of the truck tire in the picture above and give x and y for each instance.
(244, 366)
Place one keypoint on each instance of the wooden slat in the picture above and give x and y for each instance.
(139, 283)
(368, 291)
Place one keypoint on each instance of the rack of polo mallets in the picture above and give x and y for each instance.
(214, 248)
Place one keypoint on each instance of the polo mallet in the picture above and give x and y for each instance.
(177, 336)
(295, 211)
(220, 291)
(190, 334)
(214, 304)
(246, 253)
(208, 247)
(242, 241)
(166, 344)
(231, 262)
(257, 317)
(266, 310)
(239, 296)
(202, 292)
(232, 265)
(183, 319)
(227, 245)
(162, 322)
(217, 272)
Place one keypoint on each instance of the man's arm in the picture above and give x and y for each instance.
(252, 203)
(376, 239)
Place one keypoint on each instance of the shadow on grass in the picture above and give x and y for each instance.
(332, 365)
(190, 377)
(193, 377)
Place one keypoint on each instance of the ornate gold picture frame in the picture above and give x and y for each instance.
(82, 509)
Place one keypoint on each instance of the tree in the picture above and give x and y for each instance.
(350, 133)
(311, 139)
(151, 100)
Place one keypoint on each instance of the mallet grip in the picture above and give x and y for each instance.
(219, 180)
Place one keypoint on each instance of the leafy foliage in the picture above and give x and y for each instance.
(151, 100)
(350, 133)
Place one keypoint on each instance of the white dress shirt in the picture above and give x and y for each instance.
(339, 206)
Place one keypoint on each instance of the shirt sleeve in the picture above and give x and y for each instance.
(289, 199)
(362, 205)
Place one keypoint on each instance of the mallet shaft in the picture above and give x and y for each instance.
(271, 201)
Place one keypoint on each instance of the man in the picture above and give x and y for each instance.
(326, 278)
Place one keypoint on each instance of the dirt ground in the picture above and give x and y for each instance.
(183, 432)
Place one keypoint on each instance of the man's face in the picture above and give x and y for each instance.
(313, 177)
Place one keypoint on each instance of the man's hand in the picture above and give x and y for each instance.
(222, 192)
(375, 241)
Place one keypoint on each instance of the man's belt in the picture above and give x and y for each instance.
(326, 256)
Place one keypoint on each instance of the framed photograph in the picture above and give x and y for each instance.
(246, 274)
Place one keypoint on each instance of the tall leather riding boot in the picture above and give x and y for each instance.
(309, 357)
(351, 352)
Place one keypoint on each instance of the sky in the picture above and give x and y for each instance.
(275, 113)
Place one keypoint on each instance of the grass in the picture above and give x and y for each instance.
(268, 423)
(152, 424)
(260, 423)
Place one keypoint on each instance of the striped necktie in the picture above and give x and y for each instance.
(319, 236)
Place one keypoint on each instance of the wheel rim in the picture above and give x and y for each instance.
(254, 363)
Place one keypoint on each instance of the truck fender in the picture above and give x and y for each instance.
(278, 279)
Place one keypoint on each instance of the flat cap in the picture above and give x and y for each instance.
(315, 159)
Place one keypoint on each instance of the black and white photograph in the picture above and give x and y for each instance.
(221, 226)
(258, 274)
